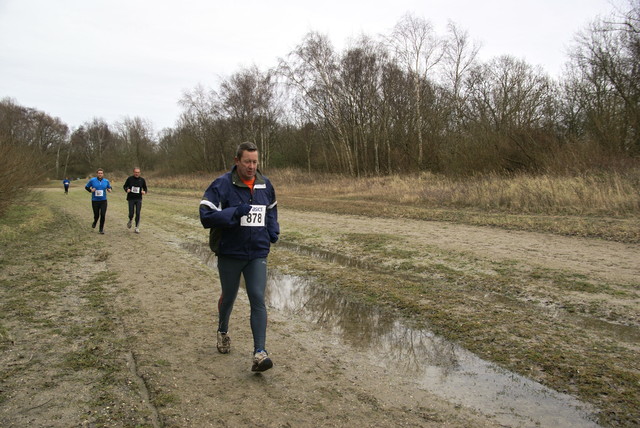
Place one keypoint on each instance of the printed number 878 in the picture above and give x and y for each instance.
(254, 218)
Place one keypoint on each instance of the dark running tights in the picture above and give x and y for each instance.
(99, 211)
(135, 205)
(255, 278)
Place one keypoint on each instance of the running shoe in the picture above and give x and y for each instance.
(129, 224)
(101, 232)
(137, 230)
(261, 362)
(224, 343)
(93, 225)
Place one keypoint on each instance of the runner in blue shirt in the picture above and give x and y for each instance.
(98, 187)
(66, 182)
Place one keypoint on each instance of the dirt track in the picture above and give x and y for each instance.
(610, 261)
(168, 315)
(165, 301)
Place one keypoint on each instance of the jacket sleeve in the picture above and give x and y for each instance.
(125, 186)
(272, 215)
(144, 185)
(214, 211)
(88, 186)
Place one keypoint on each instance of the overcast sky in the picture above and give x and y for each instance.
(112, 59)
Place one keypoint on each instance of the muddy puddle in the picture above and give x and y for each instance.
(428, 361)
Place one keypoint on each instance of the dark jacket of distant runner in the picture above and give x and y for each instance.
(137, 185)
(249, 238)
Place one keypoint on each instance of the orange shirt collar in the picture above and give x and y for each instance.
(249, 183)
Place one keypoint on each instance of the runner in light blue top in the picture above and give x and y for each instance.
(66, 183)
(98, 187)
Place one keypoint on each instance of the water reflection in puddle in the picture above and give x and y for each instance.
(433, 363)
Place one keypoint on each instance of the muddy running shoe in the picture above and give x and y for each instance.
(224, 343)
(137, 230)
(93, 225)
(261, 362)
(101, 232)
(129, 224)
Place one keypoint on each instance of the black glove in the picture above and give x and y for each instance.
(242, 210)
(273, 237)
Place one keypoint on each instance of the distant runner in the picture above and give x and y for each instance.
(240, 208)
(66, 183)
(135, 186)
(98, 187)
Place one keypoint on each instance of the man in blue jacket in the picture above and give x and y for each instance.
(98, 187)
(240, 208)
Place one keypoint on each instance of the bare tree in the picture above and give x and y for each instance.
(92, 140)
(419, 50)
(459, 58)
(198, 123)
(361, 73)
(248, 99)
(136, 141)
(311, 70)
(607, 58)
(397, 98)
(509, 102)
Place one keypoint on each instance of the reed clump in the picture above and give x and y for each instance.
(182, 182)
(17, 173)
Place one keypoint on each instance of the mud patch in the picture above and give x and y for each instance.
(420, 357)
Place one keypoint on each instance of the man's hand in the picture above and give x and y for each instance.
(242, 210)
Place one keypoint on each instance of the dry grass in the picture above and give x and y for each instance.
(182, 182)
(612, 195)
(598, 194)
(595, 205)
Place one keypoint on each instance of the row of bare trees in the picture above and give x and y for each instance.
(213, 122)
(31, 146)
(603, 84)
(412, 100)
(29, 130)
(428, 103)
(415, 100)
(119, 147)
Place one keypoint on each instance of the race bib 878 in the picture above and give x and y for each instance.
(256, 216)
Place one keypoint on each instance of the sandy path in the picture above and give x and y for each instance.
(165, 310)
(168, 312)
